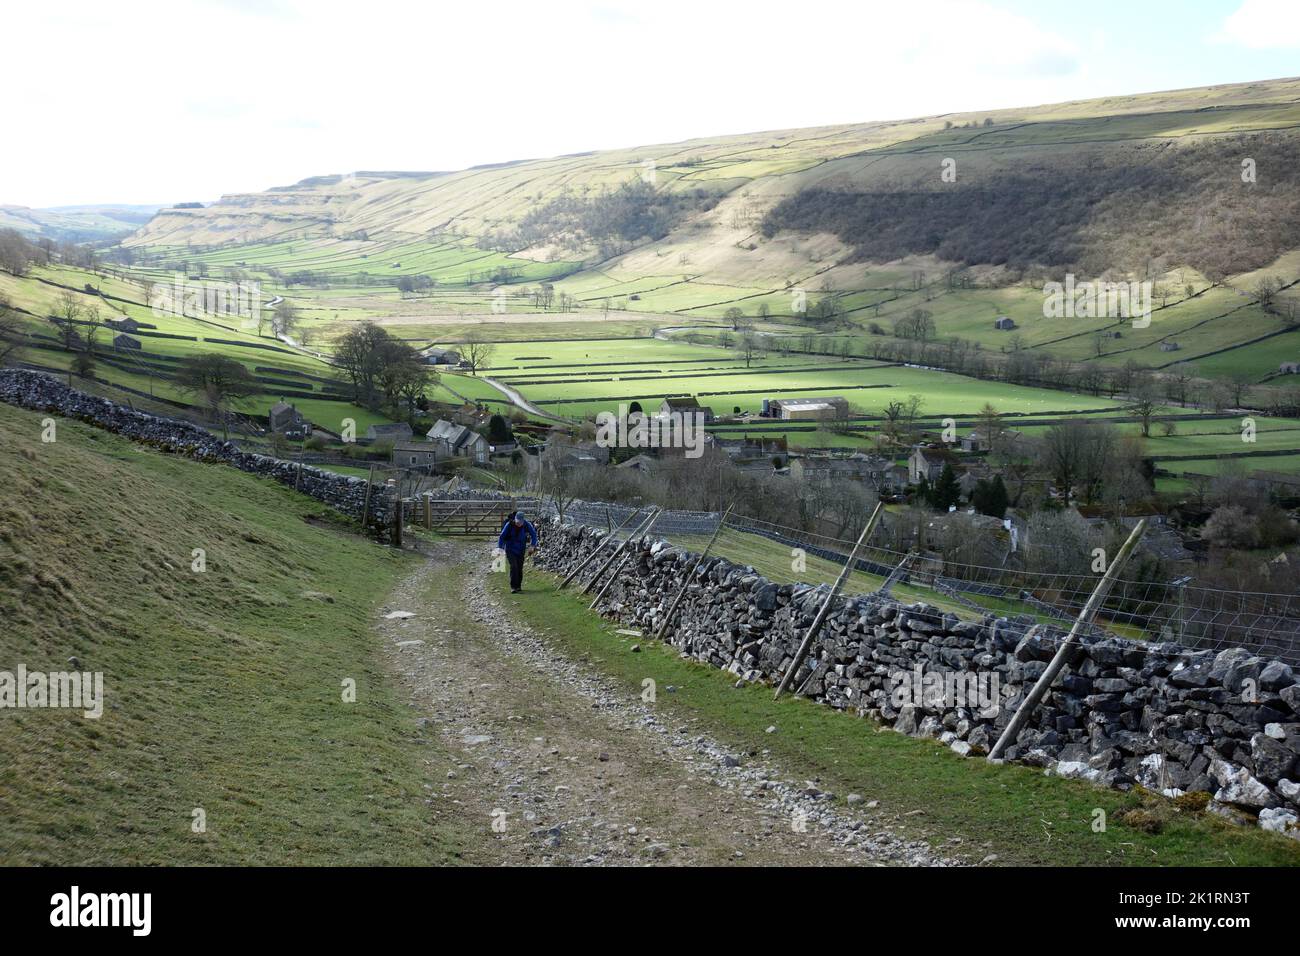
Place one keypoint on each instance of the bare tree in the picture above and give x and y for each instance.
(217, 381)
(991, 429)
(93, 323)
(1077, 454)
(1177, 381)
(285, 319)
(1265, 292)
(16, 252)
(1143, 392)
(83, 364)
(476, 352)
(11, 333)
(1239, 383)
(67, 308)
(358, 354)
(917, 324)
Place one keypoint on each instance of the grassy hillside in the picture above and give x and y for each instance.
(223, 688)
(1146, 186)
(166, 339)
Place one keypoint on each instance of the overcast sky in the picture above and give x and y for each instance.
(184, 100)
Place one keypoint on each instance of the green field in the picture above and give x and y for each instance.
(175, 337)
(580, 322)
(341, 251)
(598, 378)
(222, 687)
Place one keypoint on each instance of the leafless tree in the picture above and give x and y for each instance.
(1077, 454)
(476, 352)
(1143, 393)
(11, 333)
(1265, 291)
(67, 309)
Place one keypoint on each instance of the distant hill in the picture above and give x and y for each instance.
(1042, 186)
(863, 230)
(77, 223)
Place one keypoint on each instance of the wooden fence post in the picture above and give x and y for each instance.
(686, 579)
(595, 551)
(619, 567)
(619, 550)
(826, 605)
(400, 508)
(297, 480)
(1089, 611)
(365, 508)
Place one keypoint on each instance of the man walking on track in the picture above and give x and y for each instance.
(517, 538)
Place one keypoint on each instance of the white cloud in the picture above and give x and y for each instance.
(177, 100)
(1263, 25)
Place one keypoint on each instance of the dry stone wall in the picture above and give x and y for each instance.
(1124, 713)
(32, 390)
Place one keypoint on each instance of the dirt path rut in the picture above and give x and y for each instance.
(552, 763)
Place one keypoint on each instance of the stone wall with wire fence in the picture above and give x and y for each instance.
(1224, 725)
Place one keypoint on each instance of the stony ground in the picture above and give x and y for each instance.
(555, 765)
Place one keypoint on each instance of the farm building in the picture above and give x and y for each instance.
(871, 470)
(1289, 368)
(808, 409)
(1169, 346)
(640, 462)
(414, 454)
(397, 432)
(452, 440)
(442, 357)
(749, 448)
(124, 341)
(124, 324)
(978, 440)
(284, 418)
(1003, 323)
(968, 479)
(925, 463)
(685, 405)
(564, 455)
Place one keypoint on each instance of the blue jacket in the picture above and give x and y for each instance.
(515, 540)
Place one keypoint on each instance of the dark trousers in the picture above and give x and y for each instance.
(516, 569)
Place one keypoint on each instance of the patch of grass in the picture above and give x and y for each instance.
(1017, 812)
(223, 688)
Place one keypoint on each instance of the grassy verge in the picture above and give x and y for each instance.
(1018, 813)
(223, 688)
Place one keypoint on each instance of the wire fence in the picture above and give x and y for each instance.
(1265, 623)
